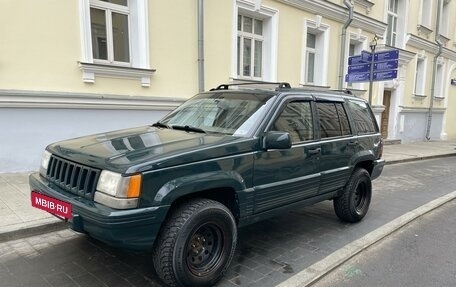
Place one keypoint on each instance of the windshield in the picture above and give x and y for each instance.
(227, 113)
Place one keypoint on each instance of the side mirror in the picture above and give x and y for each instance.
(277, 140)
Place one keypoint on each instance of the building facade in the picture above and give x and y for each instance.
(100, 65)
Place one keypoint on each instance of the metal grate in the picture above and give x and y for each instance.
(75, 178)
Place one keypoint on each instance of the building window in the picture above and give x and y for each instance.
(426, 15)
(438, 93)
(355, 47)
(420, 77)
(115, 39)
(310, 58)
(250, 47)
(255, 40)
(315, 54)
(445, 20)
(109, 23)
(391, 33)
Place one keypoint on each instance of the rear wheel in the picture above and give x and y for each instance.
(354, 202)
(196, 244)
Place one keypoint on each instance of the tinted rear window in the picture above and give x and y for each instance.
(363, 118)
(333, 120)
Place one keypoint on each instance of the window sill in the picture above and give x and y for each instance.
(366, 4)
(419, 96)
(439, 98)
(423, 29)
(444, 39)
(89, 71)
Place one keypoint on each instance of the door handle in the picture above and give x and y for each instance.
(354, 143)
(314, 151)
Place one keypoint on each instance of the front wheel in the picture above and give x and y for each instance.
(354, 202)
(196, 244)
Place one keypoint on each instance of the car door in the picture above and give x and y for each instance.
(337, 144)
(285, 176)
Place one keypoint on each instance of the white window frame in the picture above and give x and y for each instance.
(425, 14)
(419, 88)
(445, 19)
(392, 39)
(139, 65)
(109, 9)
(439, 77)
(321, 31)
(270, 18)
(254, 38)
(360, 42)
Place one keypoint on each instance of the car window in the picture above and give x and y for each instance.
(233, 114)
(296, 119)
(363, 118)
(332, 119)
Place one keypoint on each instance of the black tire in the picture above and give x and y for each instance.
(196, 244)
(353, 204)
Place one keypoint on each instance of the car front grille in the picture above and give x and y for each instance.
(75, 178)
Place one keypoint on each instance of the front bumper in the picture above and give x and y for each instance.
(378, 168)
(131, 228)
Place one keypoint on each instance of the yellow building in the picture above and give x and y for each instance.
(98, 65)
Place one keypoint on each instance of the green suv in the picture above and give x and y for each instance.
(225, 158)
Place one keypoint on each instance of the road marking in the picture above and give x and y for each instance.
(319, 269)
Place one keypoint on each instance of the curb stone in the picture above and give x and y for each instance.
(321, 268)
(38, 227)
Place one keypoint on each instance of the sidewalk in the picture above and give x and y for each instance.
(19, 219)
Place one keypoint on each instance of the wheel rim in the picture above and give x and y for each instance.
(361, 197)
(204, 249)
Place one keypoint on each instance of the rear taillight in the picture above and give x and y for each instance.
(380, 149)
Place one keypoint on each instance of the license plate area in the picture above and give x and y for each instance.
(56, 207)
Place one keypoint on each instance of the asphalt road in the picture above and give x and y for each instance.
(421, 254)
(268, 252)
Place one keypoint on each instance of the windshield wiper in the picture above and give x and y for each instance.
(188, 129)
(161, 125)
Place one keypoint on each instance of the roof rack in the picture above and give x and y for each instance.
(280, 85)
(345, 91)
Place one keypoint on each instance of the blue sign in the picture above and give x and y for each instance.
(387, 65)
(357, 77)
(386, 75)
(386, 55)
(361, 68)
(354, 60)
(366, 56)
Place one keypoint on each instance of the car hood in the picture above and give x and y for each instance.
(147, 148)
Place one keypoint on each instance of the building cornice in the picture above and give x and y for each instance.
(63, 100)
(420, 43)
(405, 109)
(449, 54)
(338, 13)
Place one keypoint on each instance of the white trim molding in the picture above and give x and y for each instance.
(321, 30)
(89, 71)
(63, 100)
(139, 63)
(332, 11)
(270, 17)
(366, 4)
(420, 43)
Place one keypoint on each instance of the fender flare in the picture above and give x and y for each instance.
(186, 185)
